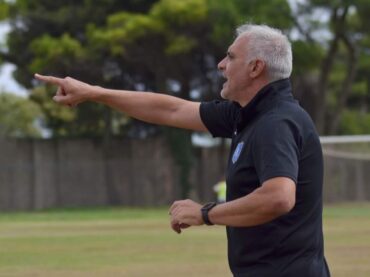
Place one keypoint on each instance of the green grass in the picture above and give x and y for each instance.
(347, 239)
(139, 242)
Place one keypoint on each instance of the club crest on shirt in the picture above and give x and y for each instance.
(237, 152)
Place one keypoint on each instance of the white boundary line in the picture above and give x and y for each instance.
(345, 154)
(344, 139)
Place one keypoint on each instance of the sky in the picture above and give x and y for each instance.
(7, 83)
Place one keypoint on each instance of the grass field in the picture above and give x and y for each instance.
(139, 243)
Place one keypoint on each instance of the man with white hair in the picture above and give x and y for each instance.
(273, 211)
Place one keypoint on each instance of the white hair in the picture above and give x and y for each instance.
(271, 46)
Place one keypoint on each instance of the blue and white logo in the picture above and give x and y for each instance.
(237, 152)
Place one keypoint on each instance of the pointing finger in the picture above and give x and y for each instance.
(49, 79)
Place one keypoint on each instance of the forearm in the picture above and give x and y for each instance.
(243, 212)
(251, 210)
(150, 107)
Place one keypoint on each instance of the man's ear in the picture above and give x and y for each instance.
(257, 67)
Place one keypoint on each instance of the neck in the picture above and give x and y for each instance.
(252, 91)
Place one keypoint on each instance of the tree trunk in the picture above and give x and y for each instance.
(347, 84)
(338, 19)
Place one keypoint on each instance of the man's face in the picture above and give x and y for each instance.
(235, 69)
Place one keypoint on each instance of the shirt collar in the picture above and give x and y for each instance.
(264, 100)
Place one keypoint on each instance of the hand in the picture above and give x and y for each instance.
(185, 213)
(71, 92)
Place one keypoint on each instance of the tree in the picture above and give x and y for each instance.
(50, 37)
(335, 82)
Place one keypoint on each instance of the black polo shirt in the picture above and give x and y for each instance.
(273, 137)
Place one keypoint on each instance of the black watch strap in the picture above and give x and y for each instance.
(205, 209)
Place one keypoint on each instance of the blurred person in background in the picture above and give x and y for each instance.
(220, 190)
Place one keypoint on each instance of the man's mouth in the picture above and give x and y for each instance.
(225, 80)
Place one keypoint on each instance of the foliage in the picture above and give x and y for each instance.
(49, 51)
(50, 37)
(4, 9)
(307, 57)
(337, 48)
(355, 122)
(122, 45)
(55, 115)
(18, 116)
(153, 45)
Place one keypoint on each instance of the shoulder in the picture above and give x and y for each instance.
(287, 121)
(288, 113)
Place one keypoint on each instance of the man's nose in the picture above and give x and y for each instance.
(221, 65)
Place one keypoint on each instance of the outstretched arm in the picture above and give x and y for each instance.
(150, 107)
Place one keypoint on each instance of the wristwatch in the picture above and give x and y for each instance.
(205, 209)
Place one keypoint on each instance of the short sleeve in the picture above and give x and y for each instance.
(219, 117)
(276, 150)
